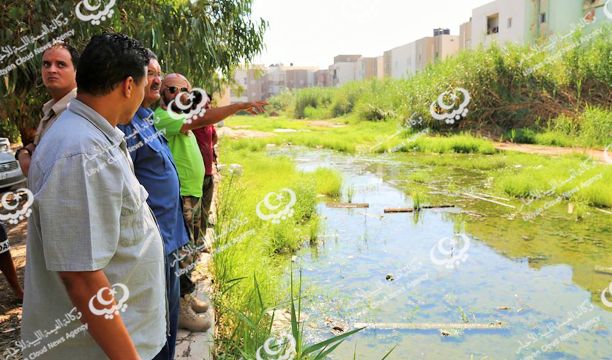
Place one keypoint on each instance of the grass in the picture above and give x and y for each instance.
(569, 177)
(350, 135)
(592, 128)
(250, 251)
(328, 182)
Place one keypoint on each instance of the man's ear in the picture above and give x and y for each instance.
(127, 87)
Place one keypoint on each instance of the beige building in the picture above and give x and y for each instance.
(388, 63)
(446, 45)
(465, 35)
(367, 68)
(259, 83)
(322, 78)
(250, 85)
(380, 67)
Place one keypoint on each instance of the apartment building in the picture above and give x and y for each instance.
(322, 78)
(445, 45)
(367, 68)
(258, 82)
(405, 61)
(380, 67)
(344, 69)
(388, 63)
(465, 35)
(299, 77)
(250, 87)
(527, 21)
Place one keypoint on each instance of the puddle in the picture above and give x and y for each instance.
(467, 265)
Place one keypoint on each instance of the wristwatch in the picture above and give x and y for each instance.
(19, 152)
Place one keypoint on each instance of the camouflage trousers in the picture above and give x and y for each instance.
(192, 213)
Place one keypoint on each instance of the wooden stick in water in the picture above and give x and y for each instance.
(347, 206)
(430, 326)
(409, 210)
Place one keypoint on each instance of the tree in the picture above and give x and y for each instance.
(204, 40)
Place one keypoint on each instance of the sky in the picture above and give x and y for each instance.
(312, 32)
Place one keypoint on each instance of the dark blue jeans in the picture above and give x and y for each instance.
(173, 290)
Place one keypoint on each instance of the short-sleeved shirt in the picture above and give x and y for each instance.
(205, 137)
(90, 213)
(155, 170)
(185, 151)
(51, 111)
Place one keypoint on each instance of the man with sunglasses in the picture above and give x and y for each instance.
(188, 159)
(154, 168)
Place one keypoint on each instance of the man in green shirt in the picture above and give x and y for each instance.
(186, 152)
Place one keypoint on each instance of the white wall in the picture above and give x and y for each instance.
(403, 61)
(515, 9)
(345, 72)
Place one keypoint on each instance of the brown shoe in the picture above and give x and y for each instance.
(191, 321)
(196, 304)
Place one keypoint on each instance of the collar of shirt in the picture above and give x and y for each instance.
(112, 133)
(60, 105)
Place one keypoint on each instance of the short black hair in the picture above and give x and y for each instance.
(74, 54)
(109, 59)
(151, 54)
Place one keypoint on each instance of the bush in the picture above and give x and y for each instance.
(280, 103)
(311, 98)
(596, 126)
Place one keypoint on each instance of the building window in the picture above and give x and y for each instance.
(542, 18)
(493, 24)
(509, 23)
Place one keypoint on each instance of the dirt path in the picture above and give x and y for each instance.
(600, 155)
(10, 311)
(235, 133)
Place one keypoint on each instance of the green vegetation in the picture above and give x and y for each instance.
(250, 252)
(574, 178)
(202, 40)
(566, 101)
(352, 136)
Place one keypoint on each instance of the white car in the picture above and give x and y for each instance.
(10, 171)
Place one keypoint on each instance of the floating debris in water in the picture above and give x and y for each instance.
(451, 332)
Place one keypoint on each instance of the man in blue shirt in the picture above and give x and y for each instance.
(155, 170)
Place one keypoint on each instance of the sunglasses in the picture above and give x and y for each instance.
(174, 89)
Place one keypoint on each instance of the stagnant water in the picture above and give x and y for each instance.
(475, 264)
